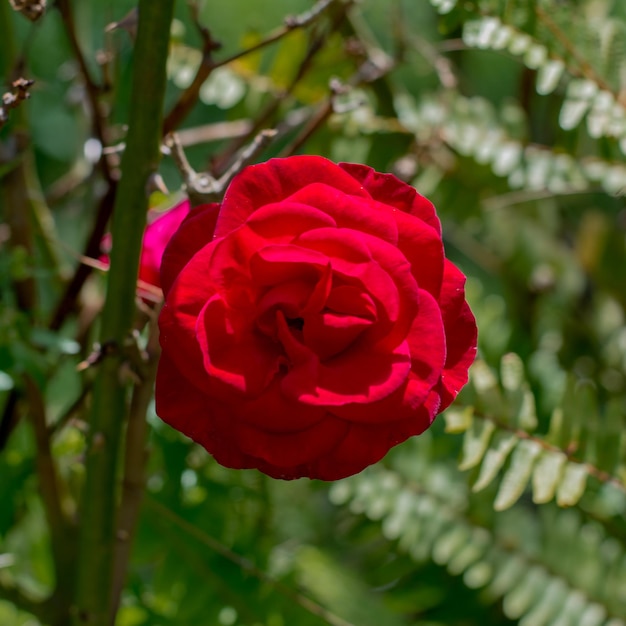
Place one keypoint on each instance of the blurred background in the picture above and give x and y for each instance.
(510, 115)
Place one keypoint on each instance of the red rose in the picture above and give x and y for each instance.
(311, 322)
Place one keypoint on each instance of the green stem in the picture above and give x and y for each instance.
(140, 160)
(60, 528)
(136, 455)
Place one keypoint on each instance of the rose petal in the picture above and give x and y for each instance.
(356, 213)
(423, 248)
(427, 343)
(160, 228)
(388, 280)
(461, 333)
(181, 405)
(350, 300)
(278, 263)
(199, 280)
(286, 220)
(276, 180)
(391, 190)
(428, 352)
(328, 334)
(290, 448)
(365, 444)
(296, 298)
(195, 231)
(233, 352)
(273, 412)
(356, 376)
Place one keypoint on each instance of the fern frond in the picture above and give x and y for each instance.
(498, 438)
(545, 569)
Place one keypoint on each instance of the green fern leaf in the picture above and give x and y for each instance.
(516, 477)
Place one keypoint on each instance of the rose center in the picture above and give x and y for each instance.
(297, 323)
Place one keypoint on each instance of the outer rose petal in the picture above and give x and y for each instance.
(290, 448)
(158, 233)
(276, 180)
(351, 212)
(185, 408)
(368, 443)
(461, 334)
(391, 190)
(193, 234)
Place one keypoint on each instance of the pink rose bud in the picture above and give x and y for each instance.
(160, 228)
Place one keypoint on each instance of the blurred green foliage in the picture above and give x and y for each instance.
(511, 117)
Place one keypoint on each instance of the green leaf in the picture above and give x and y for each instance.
(547, 474)
(522, 597)
(494, 459)
(516, 477)
(458, 420)
(512, 372)
(475, 443)
(572, 486)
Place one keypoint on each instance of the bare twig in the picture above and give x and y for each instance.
(31, 9)
(92, 89)
(47, 472)
(368, 72)
(290, 23)
(190, 96)
(266, 116)
(214, 132)
(441, 64)
(586, 69)
(203, 187)
(12, 99)
(92, 249)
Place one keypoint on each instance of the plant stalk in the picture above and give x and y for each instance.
(93, 596)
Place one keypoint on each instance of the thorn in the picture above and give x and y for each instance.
(128, 23)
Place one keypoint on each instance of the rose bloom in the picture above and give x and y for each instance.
(311, 321)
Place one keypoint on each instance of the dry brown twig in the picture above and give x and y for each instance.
(203, 187)
(189, 97)
(31, 9)
(12, 99)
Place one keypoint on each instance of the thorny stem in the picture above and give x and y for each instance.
(135, 460)
(139, 161)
